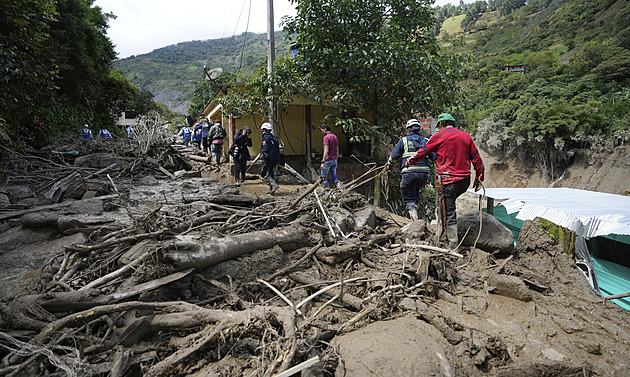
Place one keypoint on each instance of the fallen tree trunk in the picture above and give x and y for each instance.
(81, 300)
(185, 254)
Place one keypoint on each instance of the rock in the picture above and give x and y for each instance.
(86, 207)
(495, 237)
(415, 229)
(344, 219)
(18, 193)
(510, 286)
(67, 223)
(97, 160)
(4, 200)
(405, 346)
(365, 217)
(39, 219)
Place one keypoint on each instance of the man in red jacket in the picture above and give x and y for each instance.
(455, 151)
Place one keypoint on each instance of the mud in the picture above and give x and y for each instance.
(474, 316)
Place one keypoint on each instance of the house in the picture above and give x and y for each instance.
(299, 132)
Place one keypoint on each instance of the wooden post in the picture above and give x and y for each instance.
(309, 135)
(490, 205)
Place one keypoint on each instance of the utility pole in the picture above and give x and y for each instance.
(271, 57)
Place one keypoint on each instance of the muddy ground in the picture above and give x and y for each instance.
(402, 310)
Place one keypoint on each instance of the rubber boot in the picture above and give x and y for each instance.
(273, 186)
(413, 213)
(451, 234)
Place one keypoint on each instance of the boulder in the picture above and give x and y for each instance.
(405, 346)
(365, 217)
(494, 237)
(97, 160)
(510, 286)
(344, 219)
(39, 219)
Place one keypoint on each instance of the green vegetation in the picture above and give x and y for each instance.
(179, 67)
(575, 93)
(55, 67)
(378, 69)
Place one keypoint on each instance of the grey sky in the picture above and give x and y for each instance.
(142, 26)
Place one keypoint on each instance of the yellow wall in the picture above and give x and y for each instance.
(292, 132)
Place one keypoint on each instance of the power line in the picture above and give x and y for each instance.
(240, 62)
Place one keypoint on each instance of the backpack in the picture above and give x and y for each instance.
(282, 158)
(222, 133)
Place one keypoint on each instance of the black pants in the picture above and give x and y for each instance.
(240, 167)
(410, 185)
(452, 191)
(268, 169)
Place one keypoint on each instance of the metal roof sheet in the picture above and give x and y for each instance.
(588, 213)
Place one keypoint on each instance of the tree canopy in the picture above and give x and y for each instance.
(55, 65)
(376, 62)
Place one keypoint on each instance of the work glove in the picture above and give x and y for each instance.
(477, 184)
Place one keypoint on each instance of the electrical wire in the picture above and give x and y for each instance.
(240, 62)
(238, 20)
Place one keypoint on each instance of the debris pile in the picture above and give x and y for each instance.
(194, 277)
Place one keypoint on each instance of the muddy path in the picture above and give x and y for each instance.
(152, 273)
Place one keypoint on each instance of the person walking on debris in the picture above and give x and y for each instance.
(130, 131)
(197, 136)
(329, 159)
(414, 177)
(217, 133)
(104, 134)
(269, 157)
(455, 151)
(205, 130)
(186, 133)
(240, 153)
(86, 133)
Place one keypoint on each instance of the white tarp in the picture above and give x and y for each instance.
(588, 213)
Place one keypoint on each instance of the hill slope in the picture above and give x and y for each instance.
(169, 72)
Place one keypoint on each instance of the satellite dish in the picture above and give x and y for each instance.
(213, 73)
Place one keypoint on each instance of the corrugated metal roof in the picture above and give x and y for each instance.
(588, 213)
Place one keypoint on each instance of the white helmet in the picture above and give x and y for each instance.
(412, 122)
(266, 126)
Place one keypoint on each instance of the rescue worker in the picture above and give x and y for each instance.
(86, 133)
(455, 152)
(240, 153)
(216, 134)
(197, 136)
(186, 133)
(130, 131)
(269, 157)
(416, 176)
(103, 133)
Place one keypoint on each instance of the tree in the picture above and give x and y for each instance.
(26, 72)
(375, 60)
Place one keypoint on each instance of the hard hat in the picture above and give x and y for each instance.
(266, 126)
(412, 122)
(445, 116)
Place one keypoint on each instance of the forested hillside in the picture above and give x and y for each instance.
(170, 72)
(574, 93)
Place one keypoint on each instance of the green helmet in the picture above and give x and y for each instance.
(445, 116)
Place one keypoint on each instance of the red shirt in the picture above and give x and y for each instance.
(331, 140)
(455, 151)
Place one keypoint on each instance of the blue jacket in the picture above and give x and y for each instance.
(270, 148)
(407, 147)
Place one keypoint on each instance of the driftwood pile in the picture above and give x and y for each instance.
(193, 278)
(231, 285)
